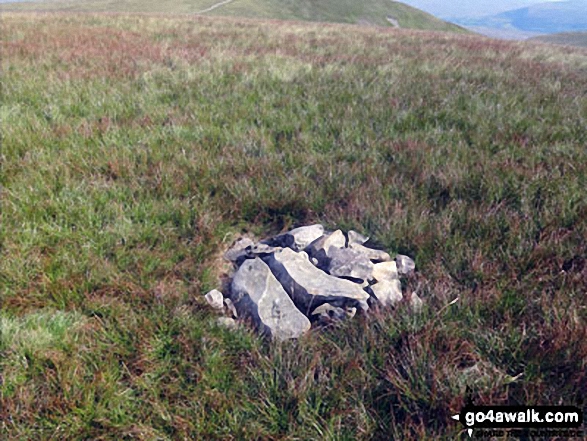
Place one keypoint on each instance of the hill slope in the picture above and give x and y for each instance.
(578, 39)
(548, 17)
(135, 148)
(376, 12)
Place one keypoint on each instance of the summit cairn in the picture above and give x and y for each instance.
(309, 276)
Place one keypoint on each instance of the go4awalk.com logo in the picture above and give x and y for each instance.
(534, 421)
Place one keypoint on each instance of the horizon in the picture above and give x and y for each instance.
(472, 8)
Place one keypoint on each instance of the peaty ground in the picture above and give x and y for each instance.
(134, 147)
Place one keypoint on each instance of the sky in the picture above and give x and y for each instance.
(469, 8)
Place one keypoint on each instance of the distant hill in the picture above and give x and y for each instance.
(367, 12)
(566, 38)
(546, 18)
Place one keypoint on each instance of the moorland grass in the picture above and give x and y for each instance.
(134, 147)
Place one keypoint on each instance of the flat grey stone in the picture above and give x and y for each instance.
(330, 311)
(256, 293)
(356, 238)
(319, 250)
(371, 253)
(215, 299)
(385, 271)
(405, 264)
(230, 307)
(238, 250)
(328, 314)
(388, 293)
(260, 249)
(346, 262)
(304, 236)
(310, 287)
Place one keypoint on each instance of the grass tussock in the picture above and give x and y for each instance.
(133, 147)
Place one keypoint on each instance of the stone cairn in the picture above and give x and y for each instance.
(307, 275)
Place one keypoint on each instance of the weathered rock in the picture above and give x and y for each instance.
(388, 292)
(260, 248)
(405, 265)
(230, 307)
(320, 248)
(328, 314)
(299, 238)
(257, 294)
(310, 287)
(385, 271)
(356, 238)
(215, 299)
(346, 262)
(363, 305)
(325, 242)
(371, 253)
(226, 322)
(237, 251)
(330, 311)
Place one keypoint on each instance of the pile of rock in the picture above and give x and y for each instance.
(308, 275)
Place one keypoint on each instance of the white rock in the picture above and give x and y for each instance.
(405, 264)
(385, 271)
(320, 249)
(356, 238)
(330, 311)
(230, 307)
(215, 299)
(388, 293)
(346, 262)
(304, 236)
(371, 253)
(237, 251)
(257, 294)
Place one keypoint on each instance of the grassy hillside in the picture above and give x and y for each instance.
(135, 147)
(578, 39)
(374, 12)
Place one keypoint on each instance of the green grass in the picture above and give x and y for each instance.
(366, 12)
(578, 39)
(135, 146)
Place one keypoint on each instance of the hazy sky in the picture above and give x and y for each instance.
(468, 8)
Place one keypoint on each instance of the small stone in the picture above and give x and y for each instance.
(226, 322)
(215, 299)
(320, 248)
(260, 249)
(230, 307)
(388, 293)
(237, 251)
(327, 314)
(385, 271)
(356, 238)
(371, 253)
(330, 311)
(299, 238)
(405, 265)
(346, 262)
(257, 294)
